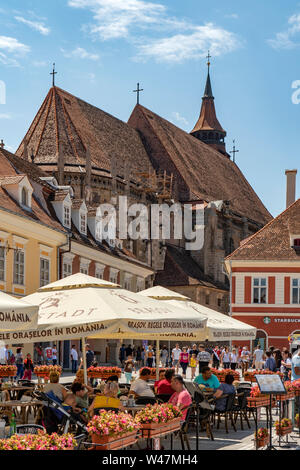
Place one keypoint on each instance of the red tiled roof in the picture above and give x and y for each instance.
(201, 172)
(272, 242)
(39, 212)
(76, 125)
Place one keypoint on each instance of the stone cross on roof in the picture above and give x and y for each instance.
(2, 144)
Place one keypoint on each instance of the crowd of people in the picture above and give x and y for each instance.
(198, 356)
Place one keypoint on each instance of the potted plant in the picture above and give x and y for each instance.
(40, 441)
(262, 437)
(257, 399)
(154, 419)
(296, 387)
(113, 430)
(283, 427)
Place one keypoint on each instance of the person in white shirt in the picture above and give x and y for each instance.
(74, 358)
(258, 357)
(140, 387)
(245, 357)
(175, 357)
(2, 354)
(233, 359)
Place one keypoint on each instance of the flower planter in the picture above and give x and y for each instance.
(262, 442)
(283, 431)
(287, 396)
(150, 430)
(257, 402)
(113, 442)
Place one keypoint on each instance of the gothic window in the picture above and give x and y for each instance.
(24, 199)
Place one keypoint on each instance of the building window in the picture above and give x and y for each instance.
(260, 290)
(127, 282)
(67, 269)
(24, 197)
(207, 299)
(19, 262)
(295, 291)
(83, 270)
(44, 272)
(297, 242)
(2, 263)
(83, 224)
(219, 302)
(113, 276)
(67, 217)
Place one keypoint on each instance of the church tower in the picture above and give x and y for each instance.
(208, 129)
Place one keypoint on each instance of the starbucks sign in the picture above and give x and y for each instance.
(267, 320)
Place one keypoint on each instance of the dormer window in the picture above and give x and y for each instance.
(67, 216)
(83, 223)
(296, 245)
(24, 198)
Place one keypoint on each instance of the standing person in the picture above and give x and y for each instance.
(138, 357)
(39, 354)
(225, 358)
(2, 355)
(128, 351)
(184, 361)
(149, 356)
(233, 359)
(258, 357)
(286, 364)
(203, 358)
(278, 358)
(128, 368)
(175, 357)
(270, 363)
(90, 356)
(48, 354)
(164, 354)
(19, 363)
(74, 359)
(54, 355)
(9, 355)
(122, 355)
(296, 365)
(194, 350)
(193, 365)
(216, 357)
(28, 367)
(245, 357)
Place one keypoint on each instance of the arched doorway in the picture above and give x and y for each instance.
(261, 339)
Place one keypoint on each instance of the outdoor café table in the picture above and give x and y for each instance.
(13, 391)
(20, 409)
(134, 409)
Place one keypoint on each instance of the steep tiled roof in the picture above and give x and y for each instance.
(272, 242)
(202, 172)
(9, 173)
(75, 125)
(180, 269)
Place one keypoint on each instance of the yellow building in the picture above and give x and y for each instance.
(30, 236)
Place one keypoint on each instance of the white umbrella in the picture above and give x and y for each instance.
(219, 326)
(81, 306)
(16, 314)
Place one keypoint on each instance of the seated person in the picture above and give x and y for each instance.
(108, 400)
(181, 396)
(70, 405)
(226, 388)
(208, 380)
(140, 387)
(160, 378)
(165, 386)
(56, 388)
(82, 392)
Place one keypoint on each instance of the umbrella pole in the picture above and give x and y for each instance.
(157, 359)
(84, 360)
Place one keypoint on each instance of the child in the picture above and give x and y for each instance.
(28, 367)
(193, 365)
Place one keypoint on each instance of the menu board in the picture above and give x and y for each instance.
(270, 384)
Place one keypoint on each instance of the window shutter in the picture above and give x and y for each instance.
(287, 290)
(248, 285)
(271, 290)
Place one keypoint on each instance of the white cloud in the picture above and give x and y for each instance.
(40, 63)
(285, 39)
(5, 116)
(194, 45)
(179, 118)
(233, 16)
(116, 18)
(36, 25)
(80, 53)
(10, 48)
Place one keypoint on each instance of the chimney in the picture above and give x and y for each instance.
(290, 187)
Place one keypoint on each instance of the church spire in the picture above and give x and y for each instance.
(208, 129)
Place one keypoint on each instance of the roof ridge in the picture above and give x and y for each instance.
(265, 227)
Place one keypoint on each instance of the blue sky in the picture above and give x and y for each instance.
(102, 48)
